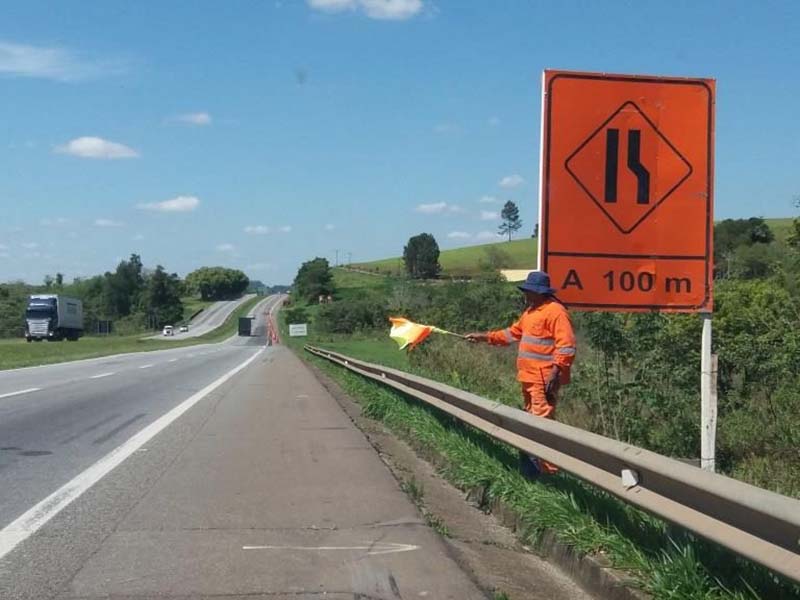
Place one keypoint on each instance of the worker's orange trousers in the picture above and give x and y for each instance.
(536, 403)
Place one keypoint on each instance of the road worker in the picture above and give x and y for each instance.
(546, 352)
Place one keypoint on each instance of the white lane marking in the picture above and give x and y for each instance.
(145, 366)
(173, 360)
(34, 518)
(18, 392)
(372, 548)
(101, 375)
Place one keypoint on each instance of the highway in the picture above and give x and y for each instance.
(56, 420)
(211, 318)
(219, 470)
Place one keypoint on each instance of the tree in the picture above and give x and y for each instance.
(535, 231)
(421, 257)
(162, 298)
(48, 281)
(731, 235)
(217, 283)
(511, 221)
(314, 279)
(59, 280)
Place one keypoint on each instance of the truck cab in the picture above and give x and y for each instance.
(53, 317)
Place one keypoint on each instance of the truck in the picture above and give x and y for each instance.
(245, 326)
(53, 317)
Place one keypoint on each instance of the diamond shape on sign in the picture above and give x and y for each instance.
(628, 167)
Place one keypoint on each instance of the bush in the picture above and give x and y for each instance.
(297, 314)
(352, 315)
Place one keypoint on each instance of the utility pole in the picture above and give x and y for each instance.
(337, 257)
(349, 258)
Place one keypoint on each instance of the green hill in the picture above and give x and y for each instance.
(519, 254)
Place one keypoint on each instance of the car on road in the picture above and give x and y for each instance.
(184, 328)
(168, 330)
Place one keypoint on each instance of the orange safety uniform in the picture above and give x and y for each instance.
(546, 338)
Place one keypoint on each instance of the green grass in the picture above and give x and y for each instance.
(662, 560)
(343, 278)
(191, 305)
(465, 261)
(18, 353)
(780, 227)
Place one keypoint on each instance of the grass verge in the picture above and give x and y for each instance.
(664, 561)
(18, 353)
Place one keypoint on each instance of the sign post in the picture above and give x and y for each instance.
(626, 200)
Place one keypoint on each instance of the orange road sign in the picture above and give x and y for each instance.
(626, 206)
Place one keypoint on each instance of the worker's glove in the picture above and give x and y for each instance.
(474, 338)
(552, 385)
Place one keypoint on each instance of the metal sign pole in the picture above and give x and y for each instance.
(708, 398)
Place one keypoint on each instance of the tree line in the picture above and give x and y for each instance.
(134, 297)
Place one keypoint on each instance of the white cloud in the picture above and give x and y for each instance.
(177, 204)
(30, 245)
(55, 221)
(107, 223)
(285, 229)
(333, 5)
(95, 147)
(391, 10)
(458, 235)
(51, 62)
(257, 229)
(385, 10)
(138, 237)
(226, 248)
(195, 118)
(493, 121)
(3, 247)
(488, 200)
(436, 208)
(329, 227)
(487, 235)
(5, 255)
(511, 181)
(489, 215)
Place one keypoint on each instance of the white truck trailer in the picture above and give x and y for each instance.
(53, 317)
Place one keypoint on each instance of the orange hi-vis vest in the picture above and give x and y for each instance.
(545, 337)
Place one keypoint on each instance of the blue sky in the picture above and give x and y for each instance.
(260, 134)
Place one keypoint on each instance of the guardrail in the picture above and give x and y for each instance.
(758, 524)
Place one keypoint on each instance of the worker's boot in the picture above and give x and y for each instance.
(529, 466)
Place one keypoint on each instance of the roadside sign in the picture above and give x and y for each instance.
(298, 329)
(626, 202)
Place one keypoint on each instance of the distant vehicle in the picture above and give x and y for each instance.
(245, 326)
(53, 317)
(168, 330)
(184, 328)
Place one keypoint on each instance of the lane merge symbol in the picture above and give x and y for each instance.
(626, 195)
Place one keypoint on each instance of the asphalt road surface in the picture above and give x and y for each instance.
(211, 318)
(220, 470)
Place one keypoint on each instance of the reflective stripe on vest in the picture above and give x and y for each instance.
(536, 356)
(527, 339)
(566, 350)
(509, 337)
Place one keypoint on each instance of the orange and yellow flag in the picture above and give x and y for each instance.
(409, 334)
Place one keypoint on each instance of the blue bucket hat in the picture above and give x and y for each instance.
(537, 282)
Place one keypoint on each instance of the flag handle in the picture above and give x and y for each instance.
(458, 335)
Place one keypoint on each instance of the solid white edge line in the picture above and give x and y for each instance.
(101, 375)
(145, 366)
(34, 518)
(19, 392)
